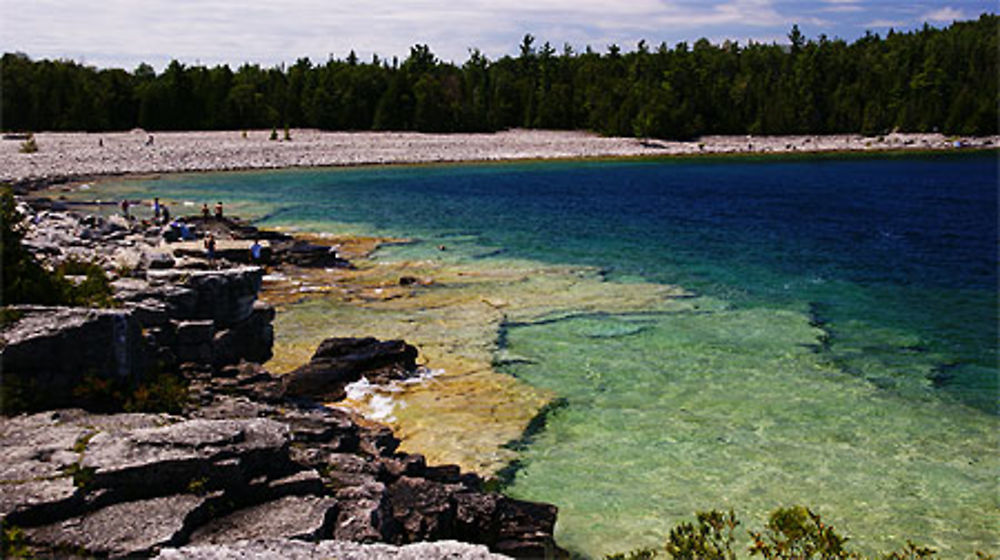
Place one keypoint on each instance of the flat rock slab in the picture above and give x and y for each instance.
(40, 452)
(297, 517)
(341, 550)
(172, 457)
(126, 529)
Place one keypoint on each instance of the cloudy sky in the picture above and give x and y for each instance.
(123, 33)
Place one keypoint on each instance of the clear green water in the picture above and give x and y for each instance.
(840, 352)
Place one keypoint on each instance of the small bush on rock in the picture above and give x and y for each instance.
(29, 146)
(794, 533)
(13, 543)
(95, 289)
(163, 393)
(24, 279)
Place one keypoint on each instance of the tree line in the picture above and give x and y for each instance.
(919, 81)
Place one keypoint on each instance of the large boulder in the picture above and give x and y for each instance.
(340, 361)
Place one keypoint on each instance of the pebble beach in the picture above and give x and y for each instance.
(78, 154)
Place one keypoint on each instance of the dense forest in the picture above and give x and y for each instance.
(924, 80)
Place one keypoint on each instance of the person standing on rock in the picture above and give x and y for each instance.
(166, 215)
(218, 210)
(210, 248)
(156, 207)
(125, 208)
(204, 211)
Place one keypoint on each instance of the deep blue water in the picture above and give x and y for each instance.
(863, 244)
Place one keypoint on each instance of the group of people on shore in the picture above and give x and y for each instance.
(161, 213)
(182, 231)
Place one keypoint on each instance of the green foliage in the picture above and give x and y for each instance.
(639, 554)
(93, 291)
(82, 476)
(13, 543)
(198, 486)
(793, 533)
(99, 393)
(17, 394)
(710, 539)
(9, 316)
(914, 552)
(924, 80)
(163, 393)
(80, 445)
(274, 134)
(29, 146)
(798, 533)
(26, 281)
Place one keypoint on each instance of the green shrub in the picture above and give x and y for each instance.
(639, 554)
(797, 532)
(794, 533)
(94, 291)
(274, 134)
(710, 539)
(24, 280)
(18, 394)
(13, 543)
(9, 316)
(29, 146)
(163, 393)
(27, 281)
(914, 552)
(99, 394)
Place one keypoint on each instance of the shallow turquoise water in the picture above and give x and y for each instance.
(842, 354)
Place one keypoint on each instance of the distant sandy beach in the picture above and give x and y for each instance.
(115, 153)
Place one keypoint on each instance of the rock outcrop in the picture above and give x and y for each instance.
(168, 318)
(49, 351)
(234, 469)
(252, 464)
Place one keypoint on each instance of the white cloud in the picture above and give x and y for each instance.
(947, 14)
(885, 23)
(125, 32)
(842, 6)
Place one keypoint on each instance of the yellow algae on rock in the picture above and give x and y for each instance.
(454, 312)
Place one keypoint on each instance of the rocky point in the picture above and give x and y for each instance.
(252, 464)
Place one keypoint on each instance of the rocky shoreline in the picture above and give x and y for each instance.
(251, 463)
(69, 156)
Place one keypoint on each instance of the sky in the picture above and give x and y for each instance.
(124, 33)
